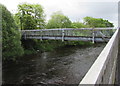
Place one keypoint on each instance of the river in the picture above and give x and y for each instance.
(65, 65)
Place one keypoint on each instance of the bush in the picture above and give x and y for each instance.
(11, 44)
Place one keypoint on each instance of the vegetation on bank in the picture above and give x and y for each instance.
(11, 44)
(31, 16)
(49, 45)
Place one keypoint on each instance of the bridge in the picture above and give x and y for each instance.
(82, 34)
(105, 68)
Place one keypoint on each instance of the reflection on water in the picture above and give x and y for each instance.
(66, 65)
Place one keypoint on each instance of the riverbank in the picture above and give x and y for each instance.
(50, 45)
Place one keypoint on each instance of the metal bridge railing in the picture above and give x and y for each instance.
(104, 68)
(68, 32)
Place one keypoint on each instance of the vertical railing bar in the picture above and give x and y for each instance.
(62, 35)
(93, 36)
(41, 35)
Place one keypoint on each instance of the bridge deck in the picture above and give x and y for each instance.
(98, 39)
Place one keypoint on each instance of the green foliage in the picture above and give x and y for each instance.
(78, 25)
(28, 52)
(78, 43)
(45, 45)
(49, 45)
(58, 20)
(97, 22)
(11, 45)
(30, 16)
(17, 21)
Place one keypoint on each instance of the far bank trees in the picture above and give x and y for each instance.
(59, 20)
(97, 22)
(78, 25)
(30, 16)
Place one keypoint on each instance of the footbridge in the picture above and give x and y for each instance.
(105, 69)
(81, 34)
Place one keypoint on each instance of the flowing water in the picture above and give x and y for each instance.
(66, 65)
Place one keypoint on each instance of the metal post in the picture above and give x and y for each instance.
(62, 35)
(41, 35)
(93, 36)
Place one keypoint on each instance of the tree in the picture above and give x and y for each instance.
(78, 25)
(11, 44)
(97, 22)
(58, 20)
(30, 16)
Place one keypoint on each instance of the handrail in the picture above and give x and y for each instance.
(106, 62)
(108, 28)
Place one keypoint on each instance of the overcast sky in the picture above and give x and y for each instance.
(76, 10)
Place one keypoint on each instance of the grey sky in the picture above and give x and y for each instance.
(74, 9)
